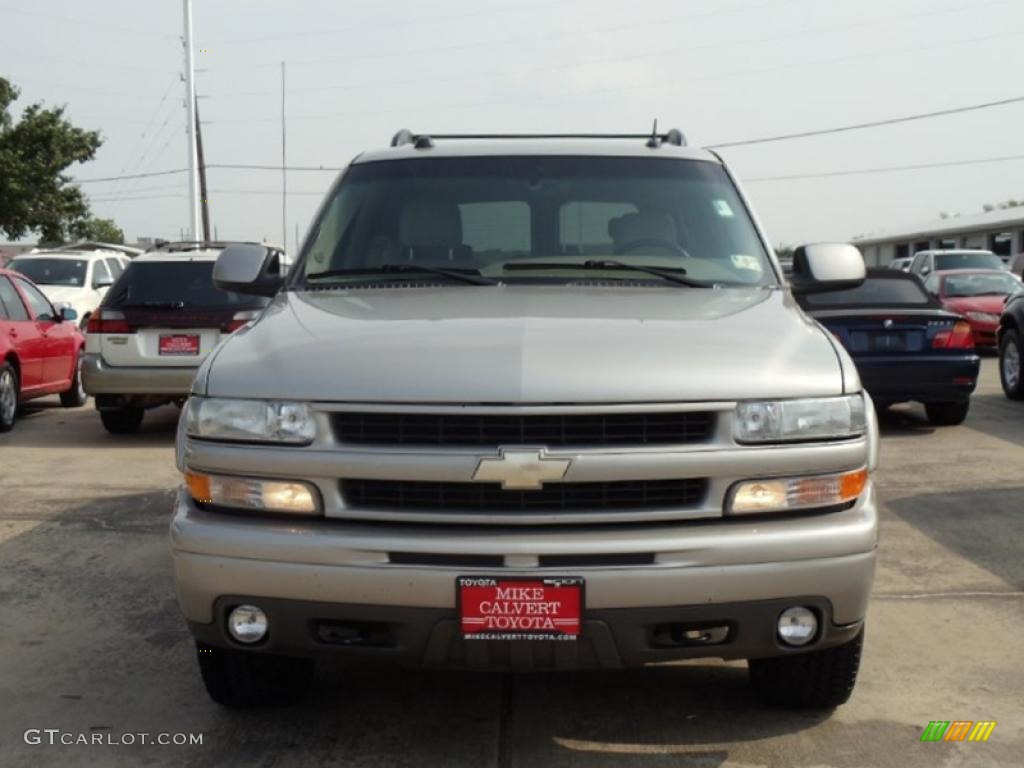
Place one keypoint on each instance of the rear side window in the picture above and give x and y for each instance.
(99, 272)
(583, 227)
(875, 291)
(174, 284)
(10, 302)
(115, 267)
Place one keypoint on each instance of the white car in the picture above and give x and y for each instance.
(78, 279)
(152, 332)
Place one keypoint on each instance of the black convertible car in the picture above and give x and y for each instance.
(905, 345)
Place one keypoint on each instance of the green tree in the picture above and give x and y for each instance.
(101, 230)
(36, 195)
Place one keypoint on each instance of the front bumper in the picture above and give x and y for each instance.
(98, 378)
(306, 574)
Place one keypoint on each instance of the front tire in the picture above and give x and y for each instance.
(1009, 364)
(248, 680)
(814, 680)
(8, 396)
(75, 396)
(947, 414)
(122, 421)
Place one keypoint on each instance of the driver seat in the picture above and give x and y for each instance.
(642, 226)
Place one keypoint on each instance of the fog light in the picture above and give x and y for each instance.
(797, 625)
(247, 624)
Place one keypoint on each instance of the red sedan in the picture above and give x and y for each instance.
(978, 295)
(40, 348)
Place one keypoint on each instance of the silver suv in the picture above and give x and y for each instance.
(529, 403)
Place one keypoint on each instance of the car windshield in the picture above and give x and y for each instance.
(1000, 284)
(519, 218)
(52, 271)
(874, 291)
(174, 284)
(968, 261)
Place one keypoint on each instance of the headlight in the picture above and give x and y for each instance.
(983, 317)
(795, 493)
(288, 496)
(215, 418)
(811, 419)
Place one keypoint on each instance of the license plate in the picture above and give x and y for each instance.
(889, 342)
(179, 344)
(520, 609)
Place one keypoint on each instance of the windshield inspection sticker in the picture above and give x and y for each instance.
(742, 261)
(722, 209)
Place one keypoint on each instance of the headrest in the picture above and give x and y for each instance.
(644, 225)
(430, 224)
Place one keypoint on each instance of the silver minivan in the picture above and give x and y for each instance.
(529, 403)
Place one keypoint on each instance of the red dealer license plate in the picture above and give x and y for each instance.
(520, 609)
(179, 344)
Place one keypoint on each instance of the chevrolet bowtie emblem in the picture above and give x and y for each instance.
(521, 470)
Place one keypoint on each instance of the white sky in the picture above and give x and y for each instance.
(357, 71)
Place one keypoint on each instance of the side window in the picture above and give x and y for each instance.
(115, 267)
(496, 230)
(915, 265)
(100, 273)
(10, 302)
(583, 226)
(39, 304)
(932, 284)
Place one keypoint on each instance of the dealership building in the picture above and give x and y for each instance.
(1001, 232)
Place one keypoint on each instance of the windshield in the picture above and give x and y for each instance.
(174, 284)
(875, 291)
(52, 271)
(517, 219)
(1001, 284)
(968, 261)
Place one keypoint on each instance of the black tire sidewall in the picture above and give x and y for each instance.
(7, 426)
(1010, 336)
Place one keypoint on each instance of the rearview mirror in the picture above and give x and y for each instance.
(248, 268)
(826, 267)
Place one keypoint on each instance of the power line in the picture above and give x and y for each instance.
(603, 91)
(673, 52)
(872, 124)
(84, 62)
(129, 176)
(80, 22)
(885, 169)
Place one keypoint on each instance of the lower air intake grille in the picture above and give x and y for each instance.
(555, 497)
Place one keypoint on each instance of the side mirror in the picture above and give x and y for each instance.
(245, 268)
(102, 281)
(826, 267)
(68, 314)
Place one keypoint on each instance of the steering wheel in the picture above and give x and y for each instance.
(651, 242)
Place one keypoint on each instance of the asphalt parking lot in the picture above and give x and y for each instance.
(91, 640)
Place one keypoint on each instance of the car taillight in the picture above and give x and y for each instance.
(239, 319)
(108, 321)
(959, 337)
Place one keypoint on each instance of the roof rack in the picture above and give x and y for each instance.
(94, 245)
(654, 139)
(201, 245)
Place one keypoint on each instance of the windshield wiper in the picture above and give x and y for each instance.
(673, 276)
(473, 277)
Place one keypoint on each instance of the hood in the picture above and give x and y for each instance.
(519, 344)
(66, 293)
(962, 304)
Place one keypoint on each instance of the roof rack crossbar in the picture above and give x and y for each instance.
(673, 136)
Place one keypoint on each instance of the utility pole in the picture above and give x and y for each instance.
(190, 106)
(284, 172)
(203, 195)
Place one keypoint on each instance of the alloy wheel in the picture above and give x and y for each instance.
(1011, 365)
(8, 396)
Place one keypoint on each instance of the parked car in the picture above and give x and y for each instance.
(78, 279)
(903, 265)
(906, 346)
(529, 403)
(1011, 345)
(40, 349)
(156, 326)
(926, 262)
(978, 295)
